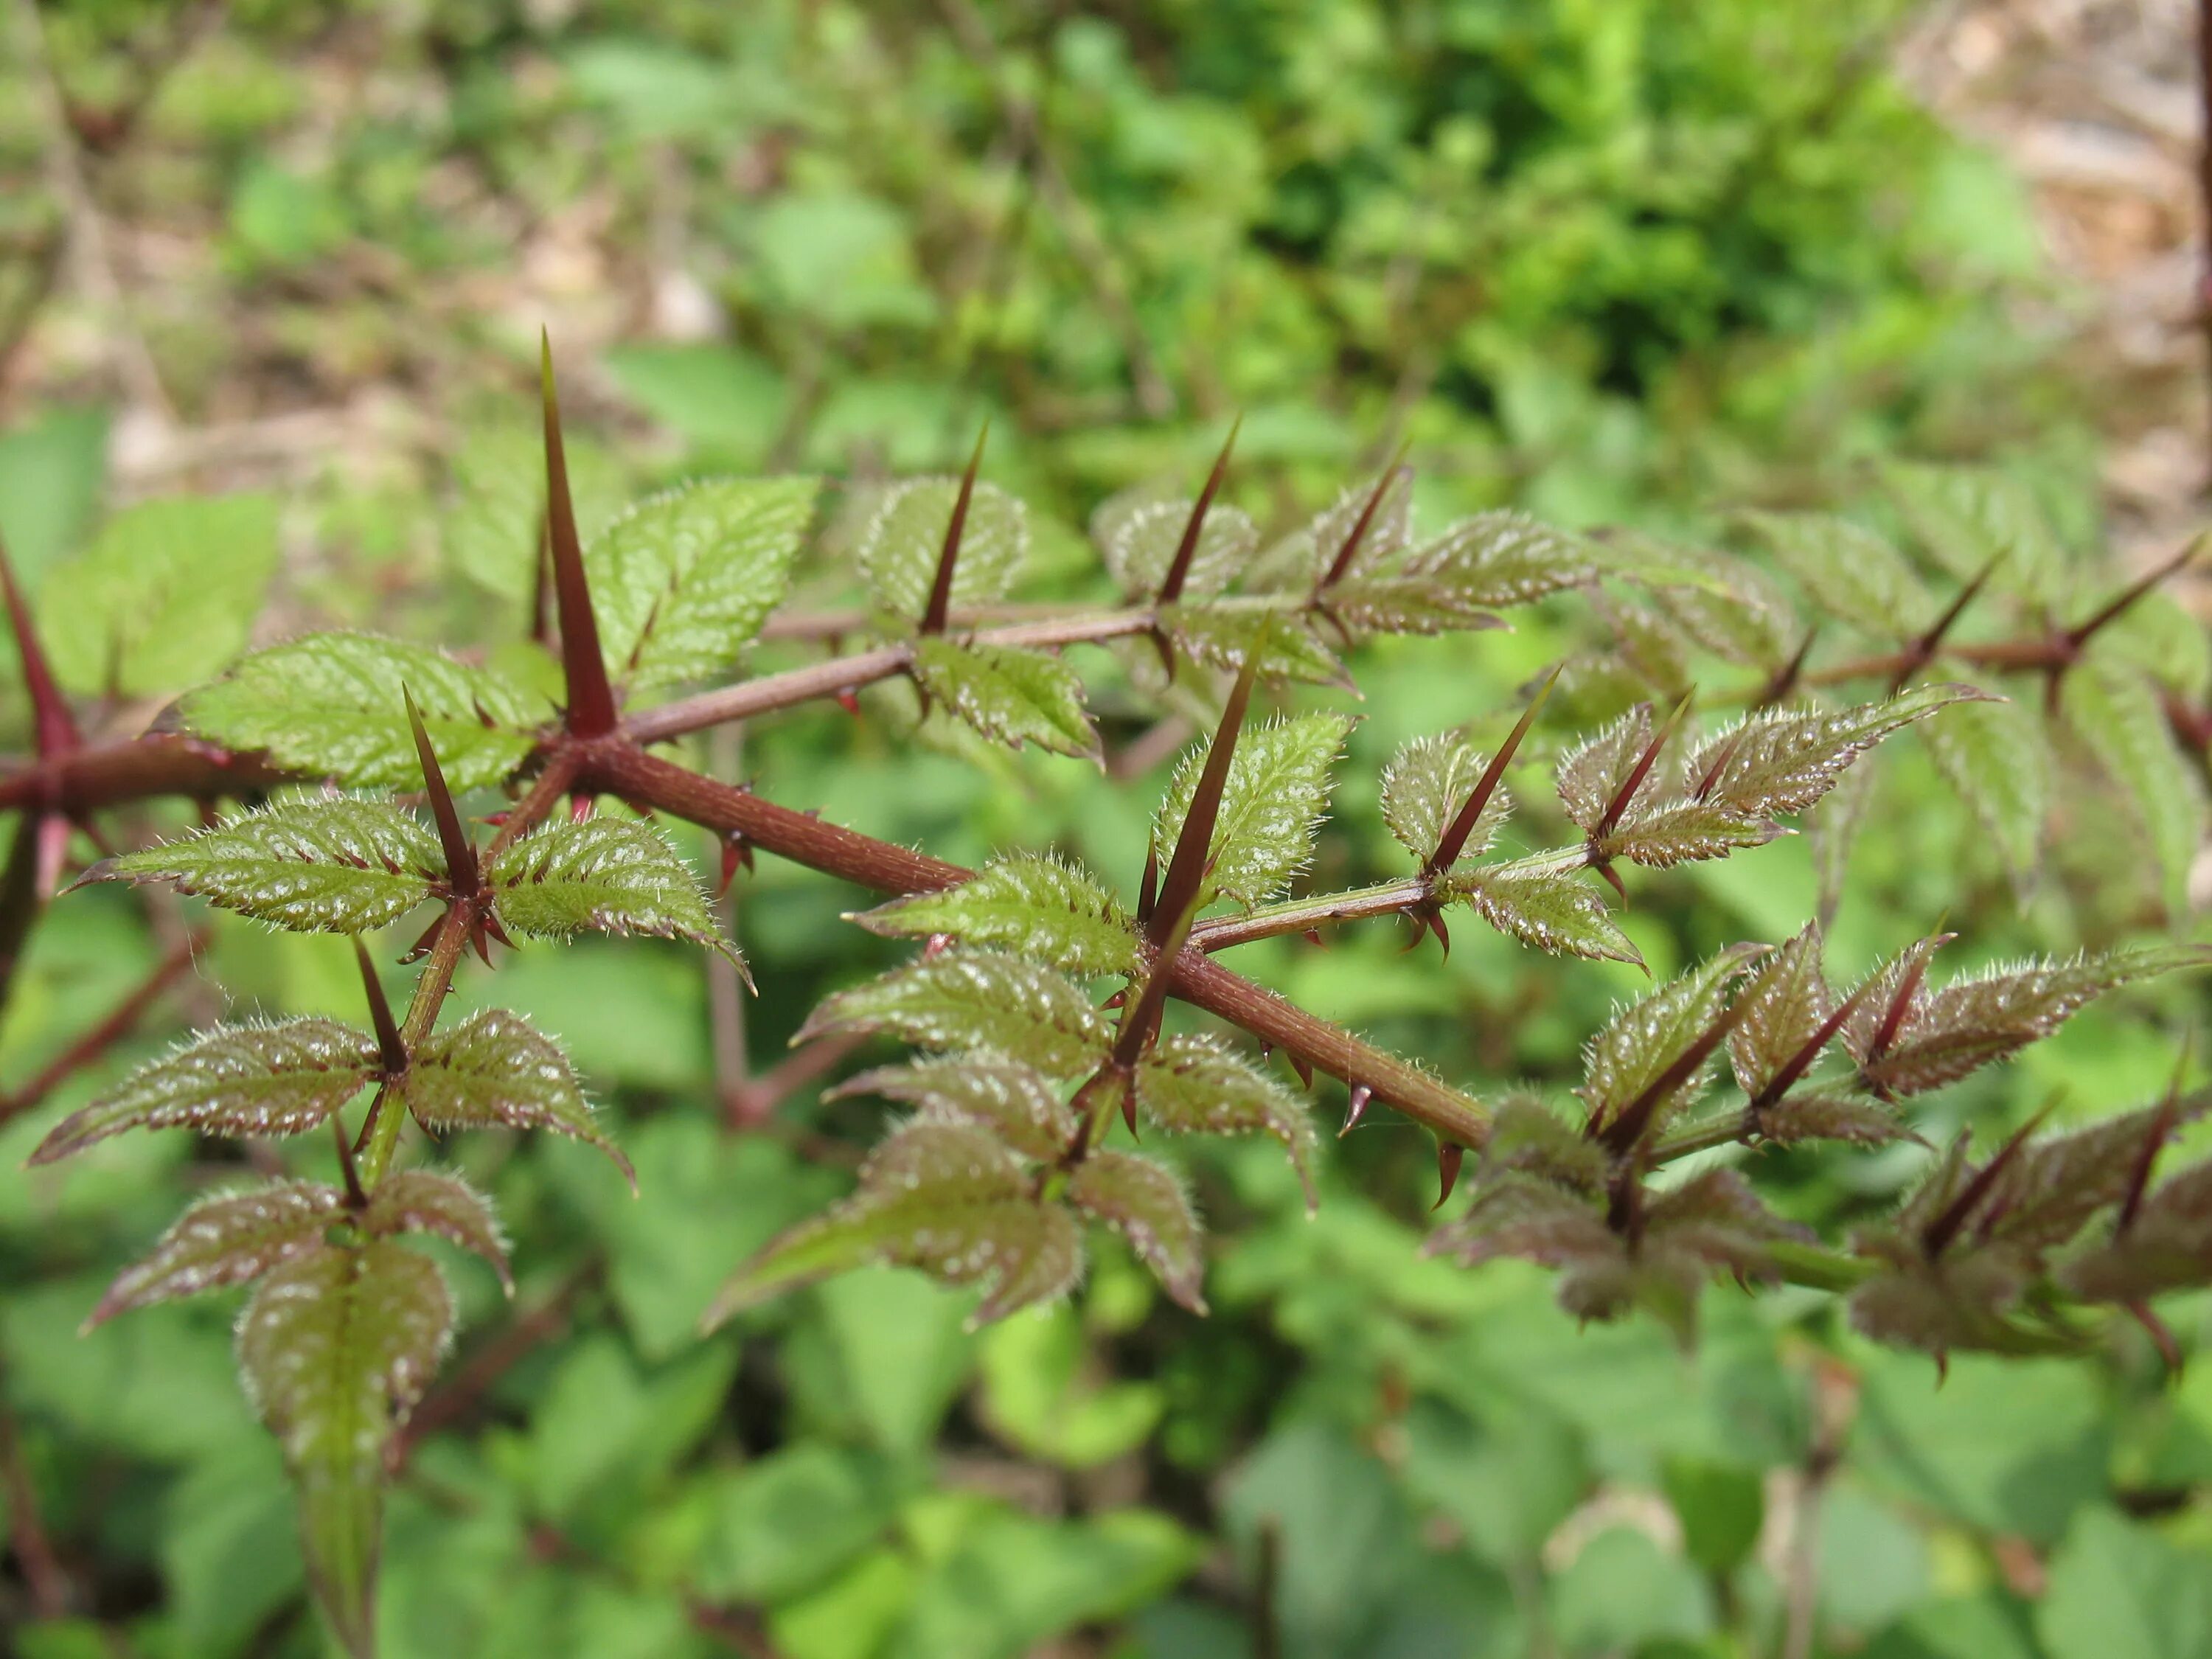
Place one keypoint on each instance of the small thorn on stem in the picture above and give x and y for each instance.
(1301, 1065)
(460, 852)
(1361, 1094)
(948, 558)
(1451, 1156)
(391, 1046)
(1922, 651)
(849, 701)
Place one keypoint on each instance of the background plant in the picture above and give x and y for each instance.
(1395, 1360)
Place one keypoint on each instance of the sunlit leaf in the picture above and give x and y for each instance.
(1549, 909)
(1644, 1039)
(494, 1069)
(1781, 760)
(1427, 783)
(1016, 1102)
(1271, 805)
(606, 874)
(1031, 904)
(1139, 543)
(973, 999)
(1009, 695)
(900, 547)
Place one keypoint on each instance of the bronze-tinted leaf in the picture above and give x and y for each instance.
(1145, 1202)
(432, 1201)
(1195, 1085)
(226, 1240)
(1016, 1102)
(495, 1070)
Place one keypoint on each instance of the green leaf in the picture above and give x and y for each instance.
(971, 999)
(1967, 517)
(226, 1240)
(493, 530)
(164, 596)
(2120, 1589)
(1271, 805)
(1785, 1002)
(1032, 904)
(1011, 696)
(1427, 783)
(1016, 1102)
(2116, 712)
(306, 865)
(1381, 527)
(1596, 768)
(237, 1080)
(1784, 760)
(899, 548)
(431, 1201)
(1501, 558)
(1851, 572)
(1145, 1202)
(946, 1197)
(606, 873)
(335, 1348)
(1730, 606)
(1191, 1084)
(1138, 543)
(1996, 755)
(1553, 910)
(1641, 1040)
(682, 582)
(330, 704)
(1721, 1507)
(1661, 835)
(495, 1070)
(1221, 633)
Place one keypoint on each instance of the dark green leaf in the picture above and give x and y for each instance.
(610, 874)
(1031, 904)
(237, 1080)
(1011, 696)
(309, 864)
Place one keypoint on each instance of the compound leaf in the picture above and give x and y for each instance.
(236, 1080)
(226, 1240)
(946, 1197)
(1013, 696)
(605, 873)
(900, 548)
(332, 704)
(1145, 1202)
(1031, 904)
(335, 1347)
(495, 1070)
(311, 865)
(682, 581)
(975, 999)
(1016, 1102)
(1271, 805)
(1191, 1084)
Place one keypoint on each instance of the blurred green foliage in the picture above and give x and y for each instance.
(1612, 258)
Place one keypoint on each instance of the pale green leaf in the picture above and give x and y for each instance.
(972, 999)
(1192, 1084)
(1145, 1202)
(1550, 910)
(1012, 695)
(1223, 633)
(1016, 1102)
(495, 1070)
(610, 874)
(1997, 756)
(2116, 712)
(900, 547)
(164, 597)
(946, 1198)
(237, 1080)
(335, 1348)
(1425, 786)
(493, 530)
(1271, 805)
(432, 1201)
(226, 1240)
(332, 705)
(1850, 573)
(682, 582)
(1501, 558)
(1730, 606)
(339, 866)
(1968, 517)
(1032, 904)
(1139, 543)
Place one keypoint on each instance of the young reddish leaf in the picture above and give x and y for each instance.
(1468, 823)
(1033, 904)
(590, 711)
(335, 1348)
(1546, 908)
(1886, 1000)
(1635, 1062)
(682, 581)
(1943, 1036)
(226, 1240)
(1662, 834)
(607, 874)
(430, 1201)
(2168, 1246)
(1424, 788)
(1016, 1102)
(310, 866)
(970, 999)
(1272, 798)
(278, 1079)
(460, 853)
(1193, 1086)
(1786, 1005)
(948, 557)
(902, 548)
(1831, 1115)
(329, 705)
(1144, 1202)
(495, 1070)
(1011, 697)
(1781, 760)
(946, 1197)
